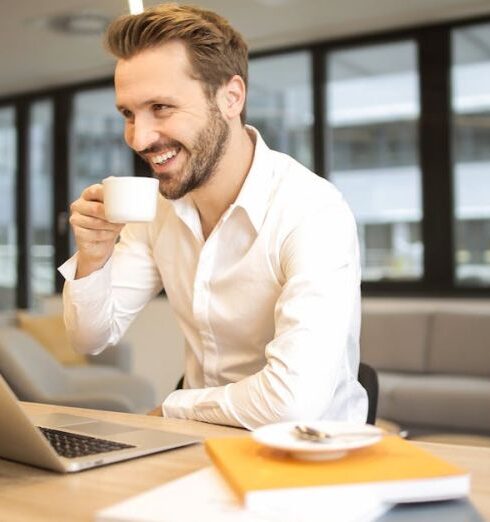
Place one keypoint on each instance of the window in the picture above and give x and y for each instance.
(471, 153)
(372, 152)
(40, 171)
(280, 104)
(393, 106)
(8, 228)
(97, 147)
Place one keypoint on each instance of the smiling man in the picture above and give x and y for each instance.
(258, 256)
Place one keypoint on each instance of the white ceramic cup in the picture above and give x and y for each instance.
(129, 199)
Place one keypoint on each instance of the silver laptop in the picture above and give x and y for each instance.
(67, 443)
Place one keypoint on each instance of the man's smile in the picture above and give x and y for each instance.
(160, 159)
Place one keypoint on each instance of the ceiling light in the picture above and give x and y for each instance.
(136, 6)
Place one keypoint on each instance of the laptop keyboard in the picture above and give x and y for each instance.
(72, 445)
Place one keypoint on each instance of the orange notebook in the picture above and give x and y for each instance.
(394, 470)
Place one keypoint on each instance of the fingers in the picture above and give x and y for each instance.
(90, 203)
(84, 236)
(93, 223)
(88, 221)
(156, 412)
(94, 235)
(93, 193)
(88, 208)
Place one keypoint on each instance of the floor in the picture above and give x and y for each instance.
(456, 438)
(445, 438)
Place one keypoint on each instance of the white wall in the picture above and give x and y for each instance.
(156, 341)
(158, 346)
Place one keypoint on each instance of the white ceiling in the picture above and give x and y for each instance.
(34, 57)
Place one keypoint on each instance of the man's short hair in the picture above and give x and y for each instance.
(216, 51)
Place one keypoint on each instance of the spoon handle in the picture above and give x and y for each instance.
(312, 434)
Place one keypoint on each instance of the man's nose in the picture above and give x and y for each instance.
(143, 136)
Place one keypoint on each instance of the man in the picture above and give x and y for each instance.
(258, 256)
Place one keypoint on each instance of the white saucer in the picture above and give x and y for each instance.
(281, 436)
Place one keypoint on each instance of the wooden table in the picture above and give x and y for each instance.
(32, 494)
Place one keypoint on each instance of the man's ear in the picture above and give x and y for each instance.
(232, 97)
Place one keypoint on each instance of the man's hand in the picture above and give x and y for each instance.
(94, 235)
(157, 412)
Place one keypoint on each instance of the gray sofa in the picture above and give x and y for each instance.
(105, 383)
(433, 363)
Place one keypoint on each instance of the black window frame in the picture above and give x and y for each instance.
(435, 141)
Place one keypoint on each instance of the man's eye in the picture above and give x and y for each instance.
(157, 107)
(127, 114)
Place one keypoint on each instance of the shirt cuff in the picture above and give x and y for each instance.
(206, 405)
(89, 286)
(69, 268)
(178, 404)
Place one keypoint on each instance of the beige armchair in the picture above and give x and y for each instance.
(103, 383)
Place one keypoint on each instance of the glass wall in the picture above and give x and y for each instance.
(280, 103)
(471, 153)
(372, 152)
(373, 135)
(8, 218)
(97, 147)
(40, 171)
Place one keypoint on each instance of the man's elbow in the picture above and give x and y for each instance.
(298, 405)
(298, 410)
(86, 345)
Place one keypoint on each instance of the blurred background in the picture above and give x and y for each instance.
(388, 99)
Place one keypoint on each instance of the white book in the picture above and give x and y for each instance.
(204, 496)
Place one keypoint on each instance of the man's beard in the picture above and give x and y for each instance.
(205, 154)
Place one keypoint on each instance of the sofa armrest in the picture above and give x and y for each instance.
(118, 356)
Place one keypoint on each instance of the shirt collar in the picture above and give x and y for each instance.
(254, 195)
(186, 210)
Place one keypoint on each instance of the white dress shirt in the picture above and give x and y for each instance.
(269, 304)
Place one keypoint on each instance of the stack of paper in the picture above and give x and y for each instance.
(205, 496)
(257, 484)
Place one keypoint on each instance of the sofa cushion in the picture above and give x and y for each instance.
(49, 331)
(113, 387)
(435, 401)
(395, 340)
(460, 344)
(31, 371)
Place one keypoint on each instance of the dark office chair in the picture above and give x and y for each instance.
(180, 384)
(368, 378)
